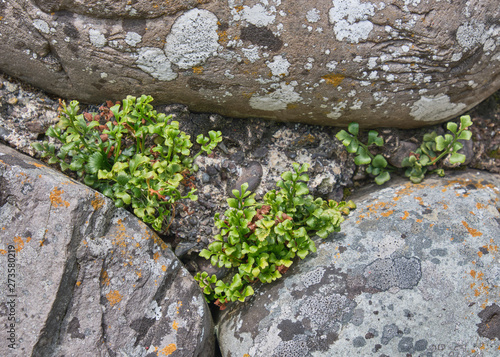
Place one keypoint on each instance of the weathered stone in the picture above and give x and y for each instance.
(413, 271)
(331, 62)
(90, 279)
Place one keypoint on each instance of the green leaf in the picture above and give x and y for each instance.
(440, 143)
(301, 189)
(125, 197)
(465, 135)
(465, 121)
(352, 147)
(96, 162)
(451, 126)
(233, 202)
(362, 158)
(382, 178)
(353, 128)
(456, 158)
(379, 161)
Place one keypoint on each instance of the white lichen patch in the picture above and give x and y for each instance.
(41, 26)
(337, 110)
(433, 108)
(132, 38)
(193, 38)
(251, 53)
(276, 100)
(331, 65)
(350, 19)
(97, 38)
(258, 15)
(279, 66)
(471, 34)
(152, 60)
(313, 15)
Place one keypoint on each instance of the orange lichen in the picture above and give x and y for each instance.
(168, 350)
(175, 325)
(55, 198)
(197, 70)
(164, 268)
(419, 220)
(36, 164)
(156, 256)
(333, 78)
(105, 278)
(388, 213)
(3, 252)
(114, 297)
(480, 205)
(98, 202)
(223, 38)
(78, 283)
(18, 241)
(405, 216)
(473, 232)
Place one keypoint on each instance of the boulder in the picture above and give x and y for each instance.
(88, 279)
(414, 272)
(381, 63)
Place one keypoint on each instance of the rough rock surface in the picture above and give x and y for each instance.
(414, 272)
(90, 279)
(386, 63)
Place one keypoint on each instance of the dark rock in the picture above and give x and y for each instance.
(91, 279)
(251, 174)
(402, 151)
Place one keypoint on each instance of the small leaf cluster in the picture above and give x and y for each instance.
(377, 165)
(261, 240)
(130, 153)
(433, 148)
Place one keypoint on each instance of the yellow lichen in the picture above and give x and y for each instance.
(333, 78)
(55, 198)
(114, 297)
(168, 350)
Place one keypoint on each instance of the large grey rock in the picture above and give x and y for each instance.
(90, 279)
(381, 63)
(414, 271)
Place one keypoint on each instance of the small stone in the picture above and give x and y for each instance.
(402, 151)
(11, 87)
(260, 153)
(183, 248)
(359, 342)
(405, 344)
(205, 178)
(420, 345)
(12, 101)
(238, 157)
(3, 133)
(252, 175)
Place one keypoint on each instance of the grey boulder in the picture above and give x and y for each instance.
(380, 63)
(414, 271)
(90, 279)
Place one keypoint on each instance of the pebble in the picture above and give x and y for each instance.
(12, 101)
(205, 178)
(252, 174)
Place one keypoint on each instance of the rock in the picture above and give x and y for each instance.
(413, 271)
(251, 174)
(378, 63)
(401, 152)
(90, 279)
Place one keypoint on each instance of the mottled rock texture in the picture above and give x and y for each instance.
(91, 280)
(382, 63)
(414, 272)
